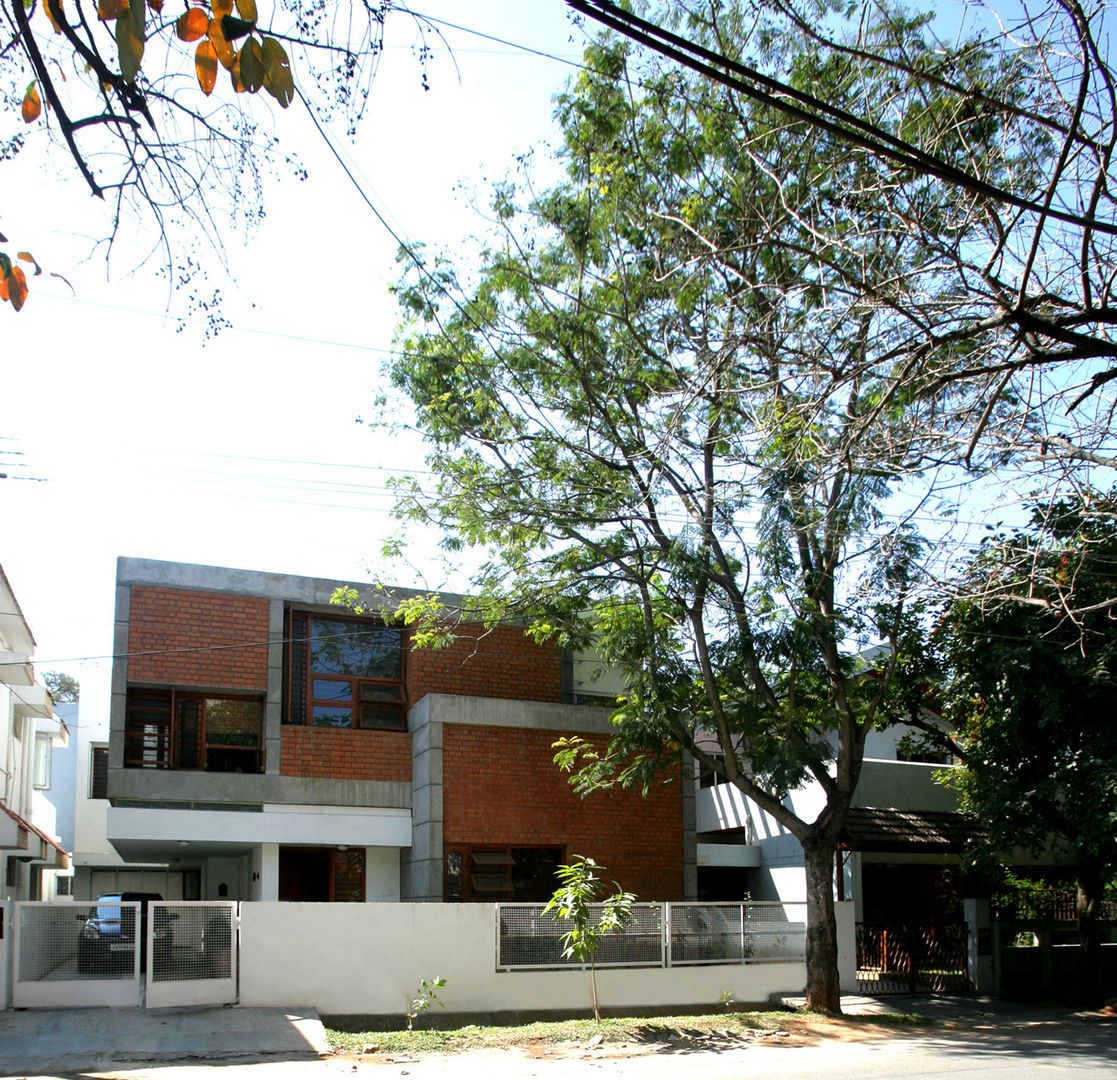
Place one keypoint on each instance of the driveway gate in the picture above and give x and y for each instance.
(75, 954)
(912, 959)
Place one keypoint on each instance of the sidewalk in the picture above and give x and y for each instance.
(66, 1040)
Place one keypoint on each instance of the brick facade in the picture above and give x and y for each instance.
(502, 663)
(346, 754)
(501, 786)
(189, 638)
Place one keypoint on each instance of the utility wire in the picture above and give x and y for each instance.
(811, 110)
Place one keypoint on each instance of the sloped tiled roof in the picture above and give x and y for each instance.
(869, 829)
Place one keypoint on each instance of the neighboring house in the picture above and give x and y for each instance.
(899, 856)
(30, 853)
(268, 742)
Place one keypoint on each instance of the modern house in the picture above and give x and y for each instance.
(31, 856)
(266, 744)
(899, 857)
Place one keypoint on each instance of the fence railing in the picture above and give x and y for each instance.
(659, 935)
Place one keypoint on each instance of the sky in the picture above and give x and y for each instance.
(124, 431)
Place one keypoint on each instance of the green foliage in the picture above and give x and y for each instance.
(62, 687)
(592, 917)
(1031, 649)
(425, 996)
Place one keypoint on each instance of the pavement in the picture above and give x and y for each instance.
(102, 1040)
(38, 1041)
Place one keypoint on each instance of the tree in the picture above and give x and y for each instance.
(578, 901)
(1030, 331)
(1031, 693)
(667, 409)
(62, 687)
(129, 94)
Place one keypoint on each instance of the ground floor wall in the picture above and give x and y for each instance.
(368, 959)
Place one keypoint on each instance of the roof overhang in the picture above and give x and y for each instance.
(906, 831)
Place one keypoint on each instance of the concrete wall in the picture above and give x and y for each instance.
(367, 959)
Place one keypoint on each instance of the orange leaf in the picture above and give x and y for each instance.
(234, 73)
(205, 64)
(221, 7)
(15, 286)
(156, 6)
(192, 24)
(50, 14)
(225, 51)
(26, 256)
(247, 10)
(107, 10)
(32, 106)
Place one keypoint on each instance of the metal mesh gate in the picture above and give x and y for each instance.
(194, 958)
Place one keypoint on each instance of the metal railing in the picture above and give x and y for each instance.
(659, 935)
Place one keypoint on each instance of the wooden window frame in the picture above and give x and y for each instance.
(299, 707)
(98, 752)
(468, 851)
(169, 741)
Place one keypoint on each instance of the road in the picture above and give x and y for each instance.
(1085, 1049)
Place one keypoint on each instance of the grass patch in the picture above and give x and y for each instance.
(558, 1032)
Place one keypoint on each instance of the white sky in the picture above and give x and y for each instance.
(244, 451)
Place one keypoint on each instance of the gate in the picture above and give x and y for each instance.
(124, 953)
(912, 959)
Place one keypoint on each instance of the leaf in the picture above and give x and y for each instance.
(14, 287)
(156, 6)
(130, 40)
(247, 9)
(225, 51)
(192, 24)
(205, 65)
(32, 106)
(251, 65)
(234, 28)
(50, 14)
(234, 74)
(278, 80)
(107, 10)
(26, 256)
(5, 265)
(221, 8)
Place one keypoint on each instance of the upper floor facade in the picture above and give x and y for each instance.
(254, 725)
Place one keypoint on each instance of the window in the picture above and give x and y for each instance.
(344, 673)
(175, 729)
(706, 775)
(322, 875)
(98, 772)
(42, 760)
(64, 886)
(491, 874)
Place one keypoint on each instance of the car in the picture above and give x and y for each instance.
(107, 940)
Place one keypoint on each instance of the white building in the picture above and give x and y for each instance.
(31, 856)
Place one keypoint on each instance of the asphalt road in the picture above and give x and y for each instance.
(1086, 1050)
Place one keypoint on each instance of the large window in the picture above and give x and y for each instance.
(175, 729)
(492, 874)
(344, 673)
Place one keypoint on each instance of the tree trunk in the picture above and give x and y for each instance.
(823, 991)
(1089, 989)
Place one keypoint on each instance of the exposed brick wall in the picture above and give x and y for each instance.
(202, 625)
(500, 663)
(346, 754)
(501, 786)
